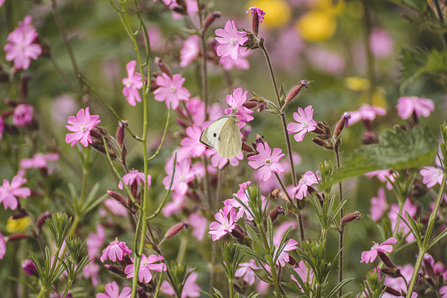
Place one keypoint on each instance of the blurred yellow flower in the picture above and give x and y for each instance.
(357, 84)
(17, 225)
(277, 12)
(317, 25)
(378, 98)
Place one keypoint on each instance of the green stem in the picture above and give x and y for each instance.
(414, 277)
(231, 288)
(62, 74)
(340, 239)
(182, 249)
(42, 291)
(67, 288)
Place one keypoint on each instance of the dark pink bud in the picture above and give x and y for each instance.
(392, 291)
(238, 233)
(114, 269)
(276, 212)
(351, 217)
(175, 229)
(17, 237)
(386, 260)
(42, 218)
(210, 19)
(21, 213)
(295, 91)
(163, 68)
(342, 124)
(29, 268)
(117, 197)
(261, 107)
(250, 104)
(120, 133)
(246, 148)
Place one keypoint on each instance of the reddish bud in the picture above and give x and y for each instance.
(246, 148)
(24, 84)
(293, 262)
(120, 133)
(174, 230)
(11, 103)
(276, 212)
(342, 123)
(21, 213)
(386, 260)
(117, 197)
(392, 291)
(17, 237)
(163, 68)
(181, 123)
(250, 104)
(261, 107)
(210, 19)
(295, 91)
(114, 269)
(238, 233)
(351, 217)
(42, 218)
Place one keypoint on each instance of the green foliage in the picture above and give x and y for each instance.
(231, 257)
(415, 5)
(59, 223)
(372, 286)
(416, 62)
(179, 273)
(49, 272)
(397, 150)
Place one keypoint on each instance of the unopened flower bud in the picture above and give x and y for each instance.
(181, 123)
(351, 217)
(276, 212)
(120, 133)
(163, 68)
(318, 131)
(342, 123)
(295, 91)
(175, 229)
(320, 142)
(42, 218)
(386, 260)
(257, 17)
(250, 104)
(246, 148)
(24, 84)
(261, 107)
(238, 233)
(428, 265)
(114, 269)
(21, 213)
(29, 268)
(96, 134)
(117, 197)
(392, 291)
(17, 237)
(210, 19)
(259, 139)
(293, 262)
(154, 85)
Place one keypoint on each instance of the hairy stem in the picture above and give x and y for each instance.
(340, 239)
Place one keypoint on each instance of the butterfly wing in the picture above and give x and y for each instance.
(229, 140)
(210, 135)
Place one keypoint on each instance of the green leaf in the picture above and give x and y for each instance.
(415, 5)
(339, 286)
(397, 150)
(438, 238)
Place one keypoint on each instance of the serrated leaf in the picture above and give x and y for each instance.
(397, 150)
(415, 5)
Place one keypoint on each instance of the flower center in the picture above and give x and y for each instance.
(233, 41)
(128, 83)
(268, 162)
(82, 127)
(172, 89)
(305, 124)
(144, 263)
(182, 178)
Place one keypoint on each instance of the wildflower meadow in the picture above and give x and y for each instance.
(223, 148)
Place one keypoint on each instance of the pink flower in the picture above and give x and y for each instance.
(10, 191)
(225, 224)
(303, 272)
(146, 265)
(39, 160)
(29, 268)
(431, 176)
(20, 47)
(2, 246)
(115, 250)
(309, 178)
(371, 255)
(95, 241)
(392, 215)
(408, 105)
(65, 105)
(192, 141)
(182, 177)
(220, 162)
(132, 177)
(383, 175)
(443, 292)
(189, 51)
(2, 127)
(284, 256)
(115, 207)
(399, 283)
(366, 112)
(258, 11)
(190, 288)
(82, 124)
(240, 63)
(242, 195)
(132, 84)
(236, 101)
(304, 125)
(113, 291)
(325, 60)
(245, 271)
(176, 206)
(381, 43)
(92, 270)
(199, 224)
(378, 205)
(266, 161)
(23, 114)
(1, 2)
(279, 232)
(171, 90)
(230, 39)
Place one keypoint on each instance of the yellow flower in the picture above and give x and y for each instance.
(317, 25)
(357, 84)
(277, 12)
(378, 98)
(17, 225)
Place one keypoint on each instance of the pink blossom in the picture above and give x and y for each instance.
(432, 176)
(10, 191)
(2, 246)
(189, 51)
(220, 162)
(192, 141)
(325, 60)
(176, 206)
(308, 179)
(258, 11)
(199, 224)
(381, 43)
(392, 215)
(182, 177)
(242, 195)
(366, 112)
(304, 125)
(113, 291)
(65, 105)
(39, 160)
(146, 265)
(132, 84)
(2, 127)
(383, 175)
(266, 161)
(1, 2)
(23, 114)
(399, 283)
(29, 268)
(225, 224)
(371, 255)
(443, 292)
(115, 207)
(115, 250)
(245, 271)
(378, 205)
(236, 101)
(407, 105)
(95, 241)
(190, 288)
(240, 63)
(132, 177)
(303, 272)
(283, 258)
(229, 41)
(171, 90)
(279, 231)
(81, 125)
(92, 270)
(20, 47)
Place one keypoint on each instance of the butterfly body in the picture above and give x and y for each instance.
(224, 136)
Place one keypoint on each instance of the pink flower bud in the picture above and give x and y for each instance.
(114, 269)
(295, 91)
(342, 123)
(210, 19)
(17, 237)
(351, 217)
(117, 197)
(174, 230)
(238, 233)
(42, 218)
(276, 212)
(163, 68)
